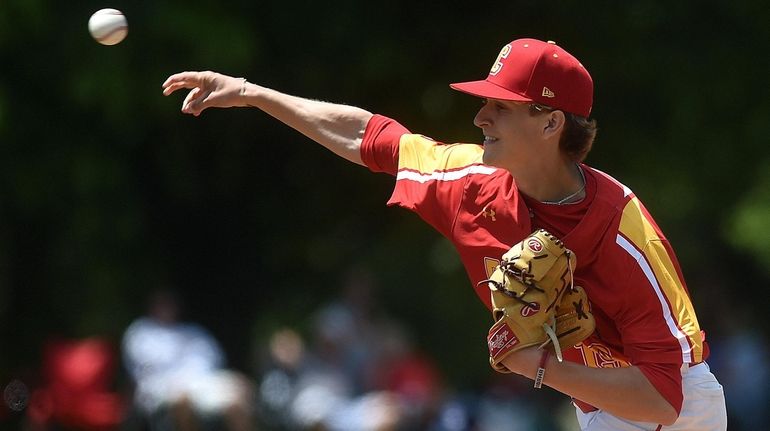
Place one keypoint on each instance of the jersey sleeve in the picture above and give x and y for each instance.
(657, 321)
(647, 336)
(658, 308)
(379, 148)
(430, 175)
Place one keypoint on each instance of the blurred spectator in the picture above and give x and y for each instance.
(401, 369)
(738, 357)
(358, 372)
(77, 391)
(178, 368)
(347, 330)
(301, 390)
(502, 404)
(278, 385)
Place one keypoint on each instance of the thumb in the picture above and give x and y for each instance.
(195, 102)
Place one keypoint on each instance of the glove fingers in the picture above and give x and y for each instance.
(574, 321)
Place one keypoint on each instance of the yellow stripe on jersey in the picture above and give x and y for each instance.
(420, 154)
(640, 239)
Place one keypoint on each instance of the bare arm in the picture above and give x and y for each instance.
(340, 128)
(624, 392)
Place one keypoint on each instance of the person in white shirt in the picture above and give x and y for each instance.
(179, 371)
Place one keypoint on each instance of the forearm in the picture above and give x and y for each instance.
(624, 392)
(340, 128)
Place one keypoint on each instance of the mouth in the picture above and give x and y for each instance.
(489, 140)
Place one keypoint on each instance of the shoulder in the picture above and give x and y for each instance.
(636, 226)
(608, 188)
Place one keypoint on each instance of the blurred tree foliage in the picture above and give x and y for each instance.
(108, 191)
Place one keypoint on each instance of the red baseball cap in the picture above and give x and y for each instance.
(530, 70)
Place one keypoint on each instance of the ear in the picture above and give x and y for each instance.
(554, 123)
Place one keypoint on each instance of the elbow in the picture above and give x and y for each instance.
(663, 417)
(670, 419)
(656, 412)
(667, 416)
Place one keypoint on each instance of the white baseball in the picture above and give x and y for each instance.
(108, 26)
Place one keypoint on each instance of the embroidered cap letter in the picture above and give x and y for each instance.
(498, 64)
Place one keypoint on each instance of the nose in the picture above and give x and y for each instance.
(482, 117)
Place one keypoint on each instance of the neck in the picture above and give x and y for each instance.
(557, 183)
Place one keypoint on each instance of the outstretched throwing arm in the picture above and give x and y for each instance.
(340, 128)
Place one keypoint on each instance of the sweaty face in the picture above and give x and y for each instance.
(510, 133)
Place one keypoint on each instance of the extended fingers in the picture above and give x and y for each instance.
(181, 80)
(203, 86)
(176, 86)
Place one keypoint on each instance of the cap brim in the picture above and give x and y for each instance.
(488, 90)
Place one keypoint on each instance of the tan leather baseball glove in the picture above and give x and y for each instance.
(534, 300)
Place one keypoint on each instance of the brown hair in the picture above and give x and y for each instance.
(578, 135)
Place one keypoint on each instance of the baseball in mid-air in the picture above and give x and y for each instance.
(108, 26)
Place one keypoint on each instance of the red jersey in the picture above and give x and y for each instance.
(644, 315)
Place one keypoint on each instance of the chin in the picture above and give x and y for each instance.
(488, 158)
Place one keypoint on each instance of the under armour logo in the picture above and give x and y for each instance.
(548, 93)
(488, 212)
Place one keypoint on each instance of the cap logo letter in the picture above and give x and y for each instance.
(548, 93)
(498, 64)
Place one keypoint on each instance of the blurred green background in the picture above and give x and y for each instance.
(107, 191)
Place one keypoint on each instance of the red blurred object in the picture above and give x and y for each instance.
(77, 393)
(413, 377)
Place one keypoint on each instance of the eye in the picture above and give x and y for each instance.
(497, 105)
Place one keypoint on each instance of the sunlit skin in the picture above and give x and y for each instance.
(625, 391)
(527, 146)
(511, 134)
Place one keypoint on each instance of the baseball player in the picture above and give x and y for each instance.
(643, 368)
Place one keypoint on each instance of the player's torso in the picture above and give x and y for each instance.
(493, 217)
(490, 220)
(481, 211)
